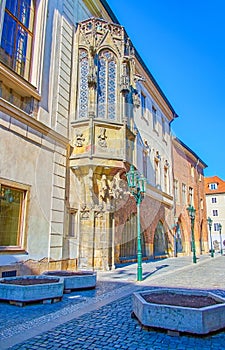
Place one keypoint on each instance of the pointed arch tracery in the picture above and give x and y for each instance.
(106, 90)
(83, 84)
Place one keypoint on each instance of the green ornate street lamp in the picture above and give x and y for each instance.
(209, 220)
(191, 211)
(136, 184)
(221, 248)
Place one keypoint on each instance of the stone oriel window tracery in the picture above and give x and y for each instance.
(107, 85)
(83, 86)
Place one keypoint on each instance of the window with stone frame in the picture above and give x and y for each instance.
(107, 82)
(190, 194)
(163, 129)
(72, 224)
(176, 191)
(145, 164)
(143, 104)
(166, 180)
(154, 118)
(17, 36)
(184, 194)
(12, 215)
(157, 173)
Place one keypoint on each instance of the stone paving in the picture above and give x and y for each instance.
(101, 318)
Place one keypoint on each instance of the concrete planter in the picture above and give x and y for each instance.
(75, 280)
(178, 318)
(24, 293)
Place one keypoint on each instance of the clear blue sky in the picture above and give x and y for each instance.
(183, 45)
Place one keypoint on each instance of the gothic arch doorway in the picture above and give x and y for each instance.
(128, 246)
(178, 238)
(160, 241)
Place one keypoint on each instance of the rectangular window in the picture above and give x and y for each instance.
(215, 212)
(154, 120)
(12, 215)
(157, 174)
(176, 190)
(166, 182)
(213, 186)
(184, 194)
(17, 36)
(190, 195)
(143, 104)
(163, 129)
(72, 224)
(216, 227)
(214, 200)
(145, 162)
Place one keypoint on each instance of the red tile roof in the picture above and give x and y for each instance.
(214, 179)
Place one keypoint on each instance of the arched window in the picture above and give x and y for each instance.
(107, 85)
(83, 84)
(17, 36)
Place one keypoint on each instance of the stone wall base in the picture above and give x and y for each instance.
(34, 267)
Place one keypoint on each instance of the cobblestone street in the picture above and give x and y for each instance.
(101, 318)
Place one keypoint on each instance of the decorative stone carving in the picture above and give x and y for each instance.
(102, 138)
(85, 215)
(99, 214)
(125, 81)
(157, 156)
(166, 164)
(92, 75)
(136, 99)
(79, 139)
(117, 187)
(103, 191)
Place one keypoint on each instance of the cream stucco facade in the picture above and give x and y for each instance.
(73, 120)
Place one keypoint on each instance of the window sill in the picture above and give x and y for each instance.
(12, 249)
(18, 83)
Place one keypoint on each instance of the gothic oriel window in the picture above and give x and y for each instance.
(83, 86)
(107, 85)
(17, 36)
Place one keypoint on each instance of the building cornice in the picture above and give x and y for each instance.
(18, 114)
(191, 154)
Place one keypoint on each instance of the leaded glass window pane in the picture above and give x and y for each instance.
(16, 41)
(107, 85)
(83, 87)
(111, 90)
(11, 205)
(102, 88)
